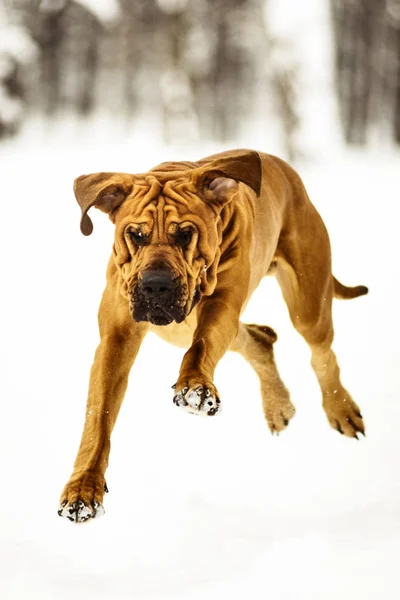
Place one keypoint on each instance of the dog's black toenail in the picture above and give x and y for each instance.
(210, 403)
(339, 428)
(350, 422)
(285, 420)
(105, 488)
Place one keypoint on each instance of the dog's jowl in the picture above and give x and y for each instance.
(192, 242)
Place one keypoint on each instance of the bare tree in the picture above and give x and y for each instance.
(367, 66)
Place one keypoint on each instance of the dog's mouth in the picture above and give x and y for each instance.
(154, 312)
(162, 310)
(160, 319)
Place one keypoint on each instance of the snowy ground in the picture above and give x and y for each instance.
(198, 508)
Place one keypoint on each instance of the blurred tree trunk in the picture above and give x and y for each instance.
(223, 66)
(140, 18)
(397, 97)
(50, 38)
(179, 116)
(236, 29)
(353, 36)
(87, 77)
(359, 83)
(284, 84)
(367, 66)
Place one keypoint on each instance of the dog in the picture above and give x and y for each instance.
(192, 242)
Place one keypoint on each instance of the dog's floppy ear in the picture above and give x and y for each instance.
(221, 175)
(106, 191)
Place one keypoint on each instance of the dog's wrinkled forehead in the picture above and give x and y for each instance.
(212, 182)
(159, 198)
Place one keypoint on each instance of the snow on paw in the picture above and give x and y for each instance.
(198, 400)
(79, 511)
(82, 497)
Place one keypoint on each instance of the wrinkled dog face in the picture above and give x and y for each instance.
(169, 224)
(167, 238)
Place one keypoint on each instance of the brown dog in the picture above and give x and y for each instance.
(192, 242)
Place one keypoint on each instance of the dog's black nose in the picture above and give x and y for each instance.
(156, 282)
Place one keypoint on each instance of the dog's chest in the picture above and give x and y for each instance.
(177, 334)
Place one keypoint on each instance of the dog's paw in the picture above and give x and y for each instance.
(278, 416)
(198, 400)
(79, 512)
(277, 406)
(82, 497)
(343, 414)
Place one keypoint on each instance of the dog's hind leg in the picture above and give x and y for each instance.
(307, 285)
(254, 343)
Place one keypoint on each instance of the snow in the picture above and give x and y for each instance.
(198, 508)
(16, 43)
(107, 11)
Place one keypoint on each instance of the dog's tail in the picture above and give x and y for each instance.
(346, 293)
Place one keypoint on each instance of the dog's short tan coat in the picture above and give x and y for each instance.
(213, 229)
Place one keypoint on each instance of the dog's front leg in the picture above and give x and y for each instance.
(120, 341)
(217, 326)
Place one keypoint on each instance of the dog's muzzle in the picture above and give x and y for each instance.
(159, 298)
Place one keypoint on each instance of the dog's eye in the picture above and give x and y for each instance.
(137, 237)
(183, 237)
